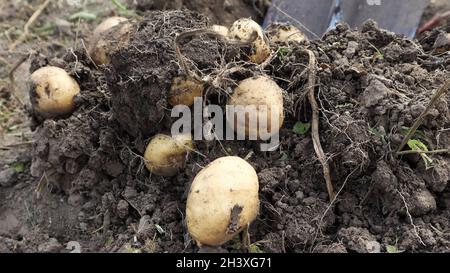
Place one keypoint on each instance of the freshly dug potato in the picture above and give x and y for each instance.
(258, 91)
(52, 91)
(222, 30)
(108, 41)
(166, 155)
(222, 200)
(107, 24)
(284, 33)
(246, 30)
(184, 91)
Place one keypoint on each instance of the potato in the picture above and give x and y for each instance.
(184, 91)
(258, 91)
(222, 30)
(107, 24)
(246, 30)
(108, 41)
(166, 155)
(52, 91)
(221, 187)
(284, 33)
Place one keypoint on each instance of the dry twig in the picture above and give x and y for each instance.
(441, 91)
(30, 22)
(12, 80)
(416, 230)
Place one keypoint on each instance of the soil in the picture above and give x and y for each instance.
(223, 12)
(82, 181)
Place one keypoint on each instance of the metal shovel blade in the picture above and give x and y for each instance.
(315, 17)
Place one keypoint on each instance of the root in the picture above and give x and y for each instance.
(416, 232)
(88, 55)
(441, 91)
(213, 79)
(315, 125)
(333, 201)
(180, 56)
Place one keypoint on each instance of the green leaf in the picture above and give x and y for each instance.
(378, 134)
(418, 134)
(254, 248)
(87, 16)
(131, 249)
(19, 167)
(417, 145)
(283, 52)
(301, 128)
(48, 26)
(378, 51)
(284, 156)
(122, 9)
(119, 6)
(391, 249)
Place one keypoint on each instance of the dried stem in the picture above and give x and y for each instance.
(441, 91)
(440, 151)
(315, 124)
(12, 80)
(30, 22)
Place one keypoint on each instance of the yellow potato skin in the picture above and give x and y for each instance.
(222, 30)
(183, 91)
(52, 91)
(245, 30)
(262, 51)
(107, 24)
(284, 33)
(109, 40)
(166, 156)
(258, 90)
(224, 183)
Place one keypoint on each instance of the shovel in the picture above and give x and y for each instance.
(315, 17)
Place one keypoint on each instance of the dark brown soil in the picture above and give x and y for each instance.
(88, 183)
(223, 12)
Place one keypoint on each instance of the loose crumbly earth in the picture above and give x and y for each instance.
(87, 182)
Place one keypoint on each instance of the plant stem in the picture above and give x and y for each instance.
(441, 91)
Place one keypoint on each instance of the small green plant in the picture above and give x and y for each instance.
(48, 26)
(130, 249)
(122, 9)
(284, 156)
(418, 134)
(19, 167)
(378, 134)
(254, 248)
(391, 249)
(82, 15)
(283, 52)
(417, 145)
(301, 128)
(379, 53)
